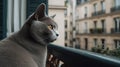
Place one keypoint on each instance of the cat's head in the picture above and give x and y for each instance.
(43, 28)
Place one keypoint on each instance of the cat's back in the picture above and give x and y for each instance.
(13, 55)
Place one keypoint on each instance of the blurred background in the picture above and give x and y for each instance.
(92, 25)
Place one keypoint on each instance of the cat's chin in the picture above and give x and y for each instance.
(53, 40)
(49, 41)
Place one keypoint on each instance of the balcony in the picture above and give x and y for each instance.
(97, 30)
(113, 30)
(101, 12)
(115, 9)
(69, 57)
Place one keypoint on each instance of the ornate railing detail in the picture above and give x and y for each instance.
(70, 57)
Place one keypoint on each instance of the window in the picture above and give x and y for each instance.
(66, 2)
(103, 43)
(65, 13)
(77, 43)
(117, 24)
(71, 13)
(78, 2)
(103, 25)
(65, 23)
(65, 35)
(116, 3)
(85, 27)
(82, 1)
(117, 43)
(86, 43)
(71, 23)
(77, 28)
(74, 28)
(95, 26)
(85, 15)
(85, 0)
(103, 5)
(95, 42)
(95, 8)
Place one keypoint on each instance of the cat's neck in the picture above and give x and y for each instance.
(37, 50)
(24, 38)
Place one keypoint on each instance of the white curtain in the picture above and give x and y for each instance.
(16, 15)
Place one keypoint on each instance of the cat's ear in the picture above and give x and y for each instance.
(40, 11)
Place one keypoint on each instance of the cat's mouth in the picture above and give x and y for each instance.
(53, 40)
(48, 40)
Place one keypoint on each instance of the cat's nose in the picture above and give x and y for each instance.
(57, 34)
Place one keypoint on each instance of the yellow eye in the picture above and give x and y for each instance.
(50, 26)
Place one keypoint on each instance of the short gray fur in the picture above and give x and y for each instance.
(28, 47)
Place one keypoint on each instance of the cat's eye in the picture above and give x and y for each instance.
(50, 26)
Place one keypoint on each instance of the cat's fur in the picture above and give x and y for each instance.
(28, 47)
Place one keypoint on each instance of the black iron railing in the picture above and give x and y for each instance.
(97, 30)
(70, 57)
(115, 30)
(116, 8)
(101, 12)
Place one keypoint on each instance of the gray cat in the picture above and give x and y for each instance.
(28, 47)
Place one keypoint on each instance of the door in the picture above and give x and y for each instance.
(3, 13)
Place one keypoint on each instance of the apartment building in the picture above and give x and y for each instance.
(98, 23)
(68, 24)
(58, 8)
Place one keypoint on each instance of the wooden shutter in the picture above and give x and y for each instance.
(32, 5)
(3, 13)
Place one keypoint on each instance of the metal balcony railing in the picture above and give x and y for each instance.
(69, 57)
(101, 12)
(116, 8)
(114, 30)
(97, 30)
